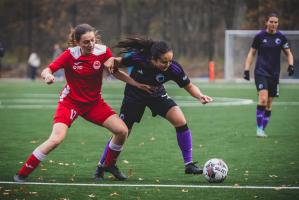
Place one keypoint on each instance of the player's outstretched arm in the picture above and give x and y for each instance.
(47, 75)
(120, 75)
(194, 91)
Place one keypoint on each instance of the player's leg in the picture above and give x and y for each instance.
(108, 119)
(273, 89)
(63, 119)
(184, 138)
(262, 88)
(268, 112)
(57, 136)
(167, 108)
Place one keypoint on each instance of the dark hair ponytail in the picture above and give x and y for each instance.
(145, 46)
(159, 48)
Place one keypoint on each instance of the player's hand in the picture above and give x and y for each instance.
(109, 65)
(291, 70)
(246, 75)
(49, 78)
(147, 88)
(204, 99)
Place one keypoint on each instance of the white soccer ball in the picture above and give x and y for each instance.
(215, 170)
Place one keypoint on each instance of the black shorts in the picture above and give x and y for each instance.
(267, 83)
(131, 110)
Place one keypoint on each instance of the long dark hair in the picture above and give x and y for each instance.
(145, 46)
(78, 31)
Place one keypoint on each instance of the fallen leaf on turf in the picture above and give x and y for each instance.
(158, 181)
(51, 161)
(273, 176)
(43, 169)
(114, 194)
(126, 162)
(130, 172)
(255, 197)
(152, 139)
(60, 163)
(92, 196)
(33, 142)
(184, 190)
(21, 162)
(236, 185)
(5, 193)
(140, 179)
(292, 163)
(141, 144)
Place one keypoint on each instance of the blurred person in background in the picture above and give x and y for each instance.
(59, 75)
(268, 44)
(33, 64)
(2, 52)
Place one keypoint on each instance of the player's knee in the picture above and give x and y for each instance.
(122, 132)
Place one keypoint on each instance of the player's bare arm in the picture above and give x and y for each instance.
(120, 75)
(112, 64)
(248, 63)
(48, 76)
(194, 91)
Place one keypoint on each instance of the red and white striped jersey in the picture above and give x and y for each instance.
(83, 73)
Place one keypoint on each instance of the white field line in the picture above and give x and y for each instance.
(157, 185)
(32, 101)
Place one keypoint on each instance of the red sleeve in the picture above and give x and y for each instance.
(60, 62)
(108, 54)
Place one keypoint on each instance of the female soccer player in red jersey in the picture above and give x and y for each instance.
(83, 64)
(268, 43)
(153, 64)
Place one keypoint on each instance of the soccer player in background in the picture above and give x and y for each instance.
(268, 43)
(83, 64)
(153, 64)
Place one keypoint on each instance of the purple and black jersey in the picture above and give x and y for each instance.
(269, 47)
(144, 72)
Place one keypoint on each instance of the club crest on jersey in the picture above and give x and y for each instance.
(160, 78)
(261, 86)
(96, 64)
(277, 41)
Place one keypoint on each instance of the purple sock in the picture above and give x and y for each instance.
(266, 118)
(103, 158)
(184, 139)
(260, 110)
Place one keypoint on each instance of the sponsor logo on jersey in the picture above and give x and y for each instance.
(264, 40)
(185, 77)
(96, 64)
(277, 41)
(160, 78)
(77, 66)
(286, 46)
(140, 71)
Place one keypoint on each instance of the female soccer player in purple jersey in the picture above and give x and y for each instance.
(153, 64)
(268, 43)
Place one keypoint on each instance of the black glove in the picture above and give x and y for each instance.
(291, 70)
(246, 75)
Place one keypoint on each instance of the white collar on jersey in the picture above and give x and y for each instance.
(99, 49)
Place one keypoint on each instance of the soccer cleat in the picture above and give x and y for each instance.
(99, 174)
(19, 178)
(191, 168)
(260, 133)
